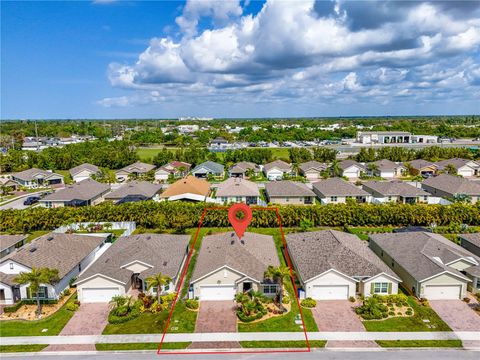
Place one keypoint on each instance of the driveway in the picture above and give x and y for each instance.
(338, 315)
(457, 314)
(216, 316)
(89, 319)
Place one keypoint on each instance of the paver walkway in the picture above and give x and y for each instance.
(338, 315)
(89, 319)
(216, 317)
(459, 316)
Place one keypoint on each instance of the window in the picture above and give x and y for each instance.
(270, 289)
(380, 288)
(224, 199)
(79, 267)
(287, 199)
(478, 283)
(238, 199)
(166, 287)
(154, 289)
(11, 266)
(333, 198)
(42, 293)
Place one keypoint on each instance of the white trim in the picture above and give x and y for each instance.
(329, 270)
(101, 275)
(469, 259)
(445, 272)
(220, 268)
(382, 273)
(136, 262)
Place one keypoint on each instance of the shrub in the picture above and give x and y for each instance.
(121, 314)
(466, 299)
(308, 303)
(477, 295)
(72, 307)
(391, 313)
(409, 312)
(66, 292)
(286, 299)
(191, 304)
(250, 318)
(13, 308)
(351, 299)
(372, 308)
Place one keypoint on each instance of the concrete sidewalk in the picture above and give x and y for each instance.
(252, 336)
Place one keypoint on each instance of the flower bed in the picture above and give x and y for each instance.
(383, 307)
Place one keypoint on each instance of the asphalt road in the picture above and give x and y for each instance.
(317, 355)
(18, 203)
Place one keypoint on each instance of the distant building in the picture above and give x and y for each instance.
(84, 171)
(83, 193)
(134, 169)
(384, 137)
(34, 178)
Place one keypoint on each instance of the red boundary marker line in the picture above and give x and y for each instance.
(184, 273)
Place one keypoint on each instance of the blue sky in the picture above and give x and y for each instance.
(108, 59)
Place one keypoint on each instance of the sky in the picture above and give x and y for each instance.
(231, 58)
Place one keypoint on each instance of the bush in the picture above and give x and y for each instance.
(372, 309)
(42, 301)
(409, 312)
(72, 307)
(351, 299)
(391, 313)
(466, 299)
(72, 280)
(477, 295)
(308, 303)
(121, 314)
(286, 299)
(192, 304)
(13, 308)
(245, 318)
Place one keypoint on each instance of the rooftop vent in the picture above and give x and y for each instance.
(232, 242)
(165, 263)
(50, 238)
(149, 237)
(33, 249)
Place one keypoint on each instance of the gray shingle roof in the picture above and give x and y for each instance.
(279, 164)
(453, 184)
(386, 165)
(34, 173)
(251, 256)
(472, 238)
(77, 169)
(137, 167)
(347, 163)
(56, 251)
(7, 241)
(243, 166)
(143, 188)
(84, 190)
(313, 165)
(337, 187)
(286, 188)
(319, 251)
(237, 187)
(456, 162)
(213, 167)
(420, 163)
(393, 188)
(416, 252)
(164, 252)
(8, 279)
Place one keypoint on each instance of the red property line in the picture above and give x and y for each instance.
(182, 278)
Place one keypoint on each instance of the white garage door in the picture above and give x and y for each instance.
(329, 292)
(217, 292)
(439, 292)
(94, 295)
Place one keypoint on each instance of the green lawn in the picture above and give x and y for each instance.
(54, 323)
(21, 348)
(363, 232)
(146, 323)
(419, 343)
(35, 234)
(282, 344)
(67, 178)
(413, 323)
(142, 346)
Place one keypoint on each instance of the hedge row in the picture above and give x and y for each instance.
(16, 306)
(181, 215)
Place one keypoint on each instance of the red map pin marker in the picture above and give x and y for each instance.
(240, 216)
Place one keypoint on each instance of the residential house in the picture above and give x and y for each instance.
(35, 178)
(287, 192)
(133, 170)
(351, 169)
(135, 191)
(429, 265)
(464, 167)
(176, 169)
(337, 191)
(209, 168)
(471, 242)
(241, 169)
(84, 193)
(10, 184)
(67, 253)
(8, 243)
(395, 191)
(333, 265)
(84, 171)
(187, 189)
(126, 265)
(386, 169)
(238, 190)
(312, 170)
(450, 187)
(383, 137)
(277, 169)
(226, 265)
(423, 167)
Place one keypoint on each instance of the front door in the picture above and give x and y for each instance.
(2, 295)
(247, 286)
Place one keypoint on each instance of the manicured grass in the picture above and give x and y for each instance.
(34, 234)
(412, 323)
(146, 323)
(21, 348)
(67, 178)
(183, 320)
(142, 346)
(282, 344)
(363, 232)
(420, 343)
(54, 323)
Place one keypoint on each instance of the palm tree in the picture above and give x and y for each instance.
(450, 169)
(278, 274)
(118, 301)
(372, 168)
(35, 278)
(335, 168)
(157, 281)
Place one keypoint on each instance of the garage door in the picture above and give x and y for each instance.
(439, 292)
(94, 295)
(330, 292)
(217, 292)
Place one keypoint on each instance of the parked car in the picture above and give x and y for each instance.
(31, 200)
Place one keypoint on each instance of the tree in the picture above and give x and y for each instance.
(450, 169)
(157, 281)
(335, 169)
(35, 278)
(278, 274)
(372, 168)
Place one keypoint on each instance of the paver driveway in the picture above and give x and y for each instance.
(457, 314)
(338, 315)
(216, 316)
(89, 319)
